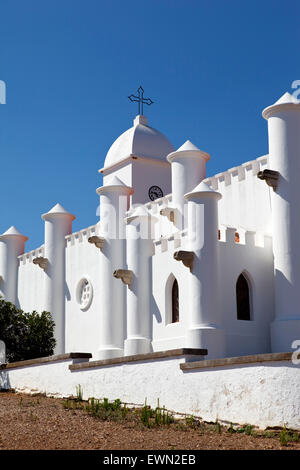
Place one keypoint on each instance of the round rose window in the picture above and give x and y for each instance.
(84, 293)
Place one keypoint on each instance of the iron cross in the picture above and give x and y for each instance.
(140, 99)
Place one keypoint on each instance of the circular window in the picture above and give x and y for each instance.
(84, 293)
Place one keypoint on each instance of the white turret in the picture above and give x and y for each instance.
(11, 246)
(58, 224)
(114, 202)
(188, 169)
(139, 234)
(204, 329)
(284, 157)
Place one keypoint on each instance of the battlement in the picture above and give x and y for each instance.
(28, 257)
(240, 237)
(171, 242)
(81, 235)
(155, 206)
(237, 173)
(229, 236)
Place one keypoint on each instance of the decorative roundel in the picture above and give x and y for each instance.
(84, 294)
(155, 192)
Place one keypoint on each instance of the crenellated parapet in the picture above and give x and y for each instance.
(81, 236)
(239, 237)
(238, 173)
(171, 242)
(29, 256)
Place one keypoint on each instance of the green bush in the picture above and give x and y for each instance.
(26, 335)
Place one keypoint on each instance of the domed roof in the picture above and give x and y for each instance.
(141, 140)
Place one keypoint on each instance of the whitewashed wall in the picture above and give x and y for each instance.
(82, 262)
(123, 172)
(262, 394)
(165, 269)
(31, 282)
(256, 263)
(245, 199)
(245, 205)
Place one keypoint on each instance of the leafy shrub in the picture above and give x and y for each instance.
(26, 335)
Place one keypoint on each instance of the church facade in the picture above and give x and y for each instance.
(177, 260)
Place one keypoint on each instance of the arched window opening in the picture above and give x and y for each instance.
(242, 298)
(175, 302)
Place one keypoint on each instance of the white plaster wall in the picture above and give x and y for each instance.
(262, 394)
(163, 227)
(245, 204)
(165, 269)
(252, 256)
(145, 174)
(256, 262)
(31, 282)
(245, 198)
(82, 261)
(124, 173)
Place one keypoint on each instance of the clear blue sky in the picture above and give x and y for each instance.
(69, 65)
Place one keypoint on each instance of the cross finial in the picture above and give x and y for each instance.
(140, 99)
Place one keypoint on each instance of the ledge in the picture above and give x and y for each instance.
(231, 361)
(43, 360)
(140, 357)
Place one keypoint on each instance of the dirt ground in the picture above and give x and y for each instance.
(28, 422)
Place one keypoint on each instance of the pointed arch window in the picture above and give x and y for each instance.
(175, 302)
(243, 298)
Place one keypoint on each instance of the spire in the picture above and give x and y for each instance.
(13, 232)
(202, 190)
(58, 209)
(115, 184)
(115, 181)
(188, 145)
(285, 102)
(188, 149)
(287, 98)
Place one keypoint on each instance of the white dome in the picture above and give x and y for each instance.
(140, 140)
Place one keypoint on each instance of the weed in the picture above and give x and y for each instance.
(105, 410)
(146, 414)
(116, 405)
(247, 429)
(286, 436)
(106, 404)
(190, 421)
(79, 393)
(157, 414)
(218, 427)
(268, 434)
(230, 429)
(67, 404)
(124, 411)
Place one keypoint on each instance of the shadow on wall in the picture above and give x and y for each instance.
(67, 292)
(154, 310)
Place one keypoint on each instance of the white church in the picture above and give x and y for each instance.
(177, 259)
